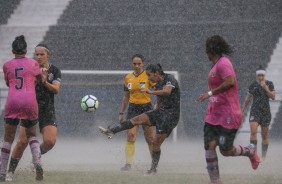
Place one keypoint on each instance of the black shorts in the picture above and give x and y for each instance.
(23, 122)
(261, 117)
(46, 116)
(164, 120)
(137, 109)
(224, 137)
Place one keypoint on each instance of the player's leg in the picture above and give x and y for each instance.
(49, 134)
(156, 152)
(254, 129)
(125, 125)
(149, 136)
(227, 148)
(10, 128)
(17, 153)
(211, 142)
(265, 141)
(130, 148)
(34, 147)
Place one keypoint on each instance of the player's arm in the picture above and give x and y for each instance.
(157, 105)
(226, 85)
(53, 87)
(246, 102)
(270, 94)
(163, 92)
(124, 102)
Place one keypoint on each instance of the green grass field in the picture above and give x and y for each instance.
(99, 162)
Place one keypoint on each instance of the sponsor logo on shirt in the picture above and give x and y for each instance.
(213, 99)
(228, 120)
(142, 85)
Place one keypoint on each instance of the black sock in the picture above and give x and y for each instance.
(155, 159)
(13, 165)
(255, 142)
(264, 148)
(125, 125)
(42, 151)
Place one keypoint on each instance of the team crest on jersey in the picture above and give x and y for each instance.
(50, 76)
(142, 85)
(129, 86)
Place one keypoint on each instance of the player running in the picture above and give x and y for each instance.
(21, 107)
(223, 116)
(165, 115)
(260, 91)
(45, 92)
(139, 103)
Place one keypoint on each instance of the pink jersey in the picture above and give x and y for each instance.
(20, 75)
(224, 108)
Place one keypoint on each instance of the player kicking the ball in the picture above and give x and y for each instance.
(165, 115)
(223, 116)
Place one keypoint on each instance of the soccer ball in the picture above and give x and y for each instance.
(89, 103)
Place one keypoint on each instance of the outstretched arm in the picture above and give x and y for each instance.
(163, 92)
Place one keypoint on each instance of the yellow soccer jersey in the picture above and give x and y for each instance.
(134, 84)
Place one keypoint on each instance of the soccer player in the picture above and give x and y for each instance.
(260, 91)
(165, 115)
(139, 103)
(223, 116)
(21, 107)
(45, 91)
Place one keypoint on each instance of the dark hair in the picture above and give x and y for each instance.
(154, 68)
(260, 68)
(44, 46)
(217, 45)
(19, 45)
(138, 56)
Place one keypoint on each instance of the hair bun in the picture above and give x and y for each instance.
(21, 37)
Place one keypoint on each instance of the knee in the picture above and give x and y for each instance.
(49, 143)
(131, 137)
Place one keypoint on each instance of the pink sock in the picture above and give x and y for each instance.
(244, 151)
(35, 150)
(4, 159)
(212, 165)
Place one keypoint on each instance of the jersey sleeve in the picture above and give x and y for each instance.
(271, 86)
(57, 76)
(171, 81)
(225, 69)
(125, 88)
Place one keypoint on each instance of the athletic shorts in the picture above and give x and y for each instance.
(46, 116)
(23, 122)
(137, 109)
(164, 120)
(224, 137)
(262, 118)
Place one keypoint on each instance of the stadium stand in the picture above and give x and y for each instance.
(7, 8)
(100, 35)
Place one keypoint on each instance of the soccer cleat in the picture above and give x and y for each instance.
(39, 172)
(9, 176)
(126, 167)
(254, 158)
(107, 132)
(151, 172)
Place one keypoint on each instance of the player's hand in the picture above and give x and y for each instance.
(263, 84)
(146, 91)
(120, 118)
(202, 97)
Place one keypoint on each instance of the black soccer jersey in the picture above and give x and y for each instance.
(260, 98)
(172, 101)
(45, 98)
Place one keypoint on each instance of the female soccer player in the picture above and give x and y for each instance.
(21, 107)
(45, 91)
(223, 116)
(139, 103)
(261, 90)
(165, 116)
